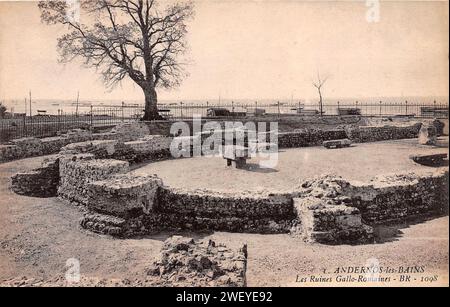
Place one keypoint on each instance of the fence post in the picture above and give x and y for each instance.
(434, 108)
(232, 107)
(25, 124)
(278, 105)
(338, 107)
(123, 118)
(92, 115)
(406, 107)
(380, 106)
(181, 109)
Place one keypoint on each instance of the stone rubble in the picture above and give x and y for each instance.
(185, 262)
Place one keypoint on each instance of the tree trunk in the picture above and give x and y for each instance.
(320, 103)
(151, 108)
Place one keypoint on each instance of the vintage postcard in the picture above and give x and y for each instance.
(224, 143)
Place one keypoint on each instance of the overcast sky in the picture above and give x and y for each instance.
(255, 49)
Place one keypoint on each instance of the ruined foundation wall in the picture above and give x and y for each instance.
(308, 137)
(135, 212)
(31, 146)
(41, 182)
(363, 134)
(148, 148)
(333, 211)
(210, 210)
(77, 171)
(398, 197)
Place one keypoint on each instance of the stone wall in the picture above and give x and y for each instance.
(362, 134)
(329, 222)
(327, 209)
(130, 131)
(308, 137)
(31, 147)
(41, 182)
(137, 135)
(172, 209)
(123, 195)
(227, 212)
(333, 211)
(399, 197)
(148, 148)
(77, 171)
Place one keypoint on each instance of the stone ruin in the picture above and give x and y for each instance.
(186, 263)
(331, 210)
(96, 174)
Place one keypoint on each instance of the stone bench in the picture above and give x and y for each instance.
(437, 159)
(236, 155)
(337, 143)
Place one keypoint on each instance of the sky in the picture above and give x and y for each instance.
(246, 49)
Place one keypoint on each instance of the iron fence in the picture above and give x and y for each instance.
(104, 115)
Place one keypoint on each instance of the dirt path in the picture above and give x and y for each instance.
(37, 236)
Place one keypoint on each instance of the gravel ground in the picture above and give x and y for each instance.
(39, 235)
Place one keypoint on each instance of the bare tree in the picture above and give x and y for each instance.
(135, 38)
(318, 84)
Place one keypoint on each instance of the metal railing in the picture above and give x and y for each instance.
(103, 115)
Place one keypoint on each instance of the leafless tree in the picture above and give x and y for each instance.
(318, 84)
(134, 38)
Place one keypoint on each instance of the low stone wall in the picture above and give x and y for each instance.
(165, 208)
(148, 148)
(130, 131)
(329, 222)
(362, 134)
(31, 147)
(333, 211)
(399, 197)
(308, 137)
(210, 210)
(77, 171)
(123, 195)
(41, 182)
(326, 210)
(136, 136)
(186, 263)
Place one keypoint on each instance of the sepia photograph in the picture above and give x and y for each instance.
(213, 147)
